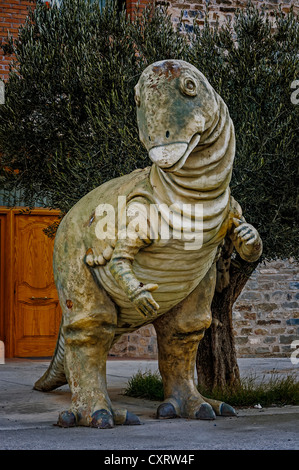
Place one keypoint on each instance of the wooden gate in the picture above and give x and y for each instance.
(30, 311)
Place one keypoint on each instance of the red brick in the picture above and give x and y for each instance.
(20, 3)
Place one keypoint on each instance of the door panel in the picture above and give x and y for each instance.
(37, 312)
(2, 275)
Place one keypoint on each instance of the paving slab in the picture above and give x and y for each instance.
(28, 417)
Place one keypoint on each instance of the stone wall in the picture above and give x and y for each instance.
(221, 10)
(265, 316)
(140, 344)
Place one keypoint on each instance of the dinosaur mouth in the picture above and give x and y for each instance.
(171, 157)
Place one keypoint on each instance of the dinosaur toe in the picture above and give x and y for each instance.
(166, 411)
(102, 419)
(227, 410)
(131, 419)
(205, 411)
(66, 419)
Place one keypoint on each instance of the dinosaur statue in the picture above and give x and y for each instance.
(114, 274)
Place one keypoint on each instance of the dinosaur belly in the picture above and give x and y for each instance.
(177, 272)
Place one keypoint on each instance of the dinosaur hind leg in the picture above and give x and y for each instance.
(178, 333)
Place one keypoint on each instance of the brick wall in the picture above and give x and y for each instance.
(131, 6)
(12, 15)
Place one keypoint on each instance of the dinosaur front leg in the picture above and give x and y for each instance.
(179, 333)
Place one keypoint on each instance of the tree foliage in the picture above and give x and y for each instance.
(69, 120)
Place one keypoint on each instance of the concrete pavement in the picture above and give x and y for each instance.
(28, 417)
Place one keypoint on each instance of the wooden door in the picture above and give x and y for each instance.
(36, 311)
(2, 274)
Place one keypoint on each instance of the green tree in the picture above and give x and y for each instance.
(69, 120)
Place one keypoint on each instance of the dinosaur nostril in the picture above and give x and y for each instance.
(167, 134)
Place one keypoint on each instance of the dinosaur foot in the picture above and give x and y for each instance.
(202, 408)
(168, 411)
(221, 408)
(101, 419)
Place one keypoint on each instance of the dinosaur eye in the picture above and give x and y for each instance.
(188, 86)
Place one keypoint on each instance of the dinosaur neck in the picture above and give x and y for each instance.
(204, 178)
(206, 174)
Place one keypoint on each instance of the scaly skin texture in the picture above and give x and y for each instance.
(138, 273)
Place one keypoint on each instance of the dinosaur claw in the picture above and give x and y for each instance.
(166, 411)
(102, 419)
(227, 410)
(131, 419)
(66, 419)
(205, 412)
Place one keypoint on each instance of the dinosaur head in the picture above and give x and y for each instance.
(175, 105)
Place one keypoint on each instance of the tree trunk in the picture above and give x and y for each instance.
(216, 362)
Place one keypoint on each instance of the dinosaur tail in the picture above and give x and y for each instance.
(54, 376)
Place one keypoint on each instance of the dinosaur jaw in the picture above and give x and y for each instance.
(171, 157)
